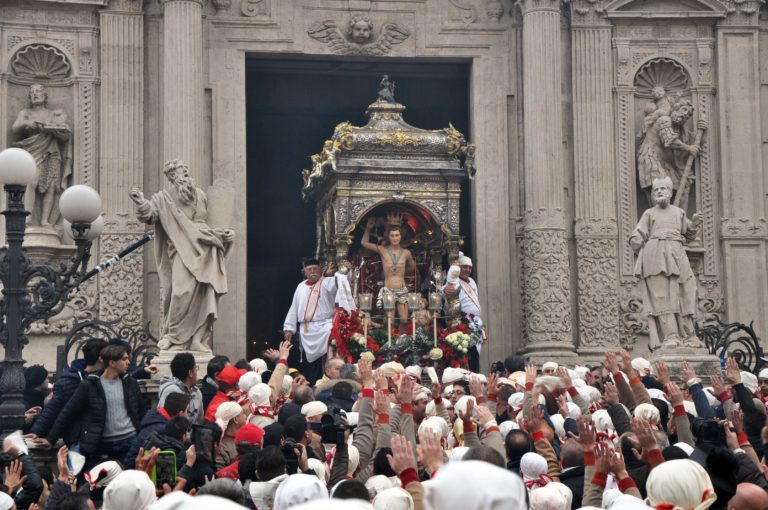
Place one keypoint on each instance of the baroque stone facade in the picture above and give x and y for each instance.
(558, 93)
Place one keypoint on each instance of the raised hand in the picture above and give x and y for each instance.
(381, 380)
(191, 456)
(718, 385)
(430, 450)
(562, 406)
(732, 371)
(532, 423)
(530, 373)
(146, 462)
(484, 416)
(467, 416)
(562, 373)
(602, 457)
(13, 476)
(285, 349)
(687, 372)
(435, 390)
(626, 363)
(737, 420)
(731, 439)
(364, 368)
(405, 393)
(273, 354)
(610, 362)
(587, 434)
(61, 462)
(611, 394)
(644, 433)
(616, 464)
(674, 394)
(662, 372)
(493, 381)
(380, 403)
(402, 455)
(476, 387)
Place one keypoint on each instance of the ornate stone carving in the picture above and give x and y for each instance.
(546, 289)
(632, 322)
(86, 132)
(86, 61)
(251, 8)
(592, 227)
(743, 227)
(82, 307)
(527, 6)
(40, 62)
(706, 190)
(742, 12)
(494, 9)
(626, 163)
(121, 289)
(468, 11)
(221, 5)
(587, 12)
(598, 297)
(358, 37)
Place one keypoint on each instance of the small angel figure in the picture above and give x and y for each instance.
(423, 315)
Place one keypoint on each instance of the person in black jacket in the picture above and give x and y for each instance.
(173, 437)
(154, 422)
(65, 387)
(572, 474)
(27, 485)
(110, 406)
(209, 387)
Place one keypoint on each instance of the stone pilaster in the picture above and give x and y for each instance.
(743, 229)
(183, 100)
(596, 229)
(121, 156)
(546, 266)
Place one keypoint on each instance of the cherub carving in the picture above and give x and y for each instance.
(359, 38)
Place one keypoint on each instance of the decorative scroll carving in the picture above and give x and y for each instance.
(588, 12)
(546, 287)
(707, 191)
(632, 321)
(743, 227)
(626, 156)
(82, 307)
(252, 8)
(468, 11)
(86, 135)
(86, 61)
(598, 297)
(121, 288)
(358, 38)
(40, 62)
(742, 12)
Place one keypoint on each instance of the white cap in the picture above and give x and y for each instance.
(248, 380)
(464, 260)
(750, 381)
(314, 408)
(641, 365)
(549, 365)
(258, 365)
(451, 374)
(763, 374)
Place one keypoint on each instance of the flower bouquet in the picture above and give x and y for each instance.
(348, 339)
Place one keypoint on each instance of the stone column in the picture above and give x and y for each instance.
(183, 100)
(596, 228)
(545, 262)
(744, 230)
(121, 156)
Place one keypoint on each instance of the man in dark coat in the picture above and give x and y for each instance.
(154, 422)
(572, 474)
(65, 387)
(110, 405)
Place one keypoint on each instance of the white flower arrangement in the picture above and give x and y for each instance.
(367, 355)
(459, 341)
(359, 339)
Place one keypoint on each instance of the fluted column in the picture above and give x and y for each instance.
(121, 156)
(183, 100)
(545, 262)
(596, 228)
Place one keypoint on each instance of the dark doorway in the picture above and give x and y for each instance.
(292, 107)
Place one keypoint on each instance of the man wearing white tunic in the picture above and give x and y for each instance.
(469, 299)
(311, 314)
(668, 281)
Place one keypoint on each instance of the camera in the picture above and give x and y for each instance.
(707, 430)
(331, 427)
(291, 460)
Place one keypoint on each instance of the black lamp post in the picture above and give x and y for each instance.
(35, 292)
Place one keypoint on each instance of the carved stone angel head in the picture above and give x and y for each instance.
(360, 29)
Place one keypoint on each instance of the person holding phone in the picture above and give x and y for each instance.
(311, 313)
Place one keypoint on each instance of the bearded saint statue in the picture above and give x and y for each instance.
(190, 259)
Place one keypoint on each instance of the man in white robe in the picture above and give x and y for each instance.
(469, 299)
(311, 314)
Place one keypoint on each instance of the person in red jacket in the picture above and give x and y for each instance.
(227, 381)
(248, 437)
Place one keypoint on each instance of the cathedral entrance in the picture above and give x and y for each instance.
(292, 106)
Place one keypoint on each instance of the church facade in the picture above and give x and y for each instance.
(562, 96)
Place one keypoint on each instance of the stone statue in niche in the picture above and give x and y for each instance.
(46, 135)
(666, 144)
(669, 285)
(190, 251)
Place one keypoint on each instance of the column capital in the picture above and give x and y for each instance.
(531, 6)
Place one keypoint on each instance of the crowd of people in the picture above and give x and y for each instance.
(621, 434)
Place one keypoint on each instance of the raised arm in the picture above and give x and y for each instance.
(366, 242)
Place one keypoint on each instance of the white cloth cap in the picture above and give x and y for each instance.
(354, 459)
(448, 390)
(226, 412)
(581, 373)
(602, 420)
(558, 421)
(258, 365)
(413, 371)
(532, 465)
(461, 405)
(422, 393)
(574, 411)
(314, 408)
(334, 504)
(682, 483)
(480, 377)
(492, 488)
(320, 468)
(451, 375)
(6, 502)
(658, 394)
(130, 490)
(260, 394)
(436, 424)
(297, 489)
(464, 260)
(641, 365)
(549, 365)
(648, 412)
(504, 380)
(750, 381)
(101, 474)
(551, 382)
(180, 500)
(248, 380)
(378, 483)
(690, 408)
(553, 496)
(395, 498)
(506, 427)
(392, 369)
(285, 389)
(763, 374)
(688, 449)
(457, 453)
(515, 400)
(627, 502)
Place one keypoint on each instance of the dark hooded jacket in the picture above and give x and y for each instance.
(153, 422)
(65, 387)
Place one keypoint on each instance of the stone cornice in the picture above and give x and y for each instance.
(164, 2)
(617, 9)
(530, 6)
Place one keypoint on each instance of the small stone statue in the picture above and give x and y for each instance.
(386, 90)
(190, 259)
(662, 264)
(47, 137)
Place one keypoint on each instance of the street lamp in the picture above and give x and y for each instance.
(34, 292)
